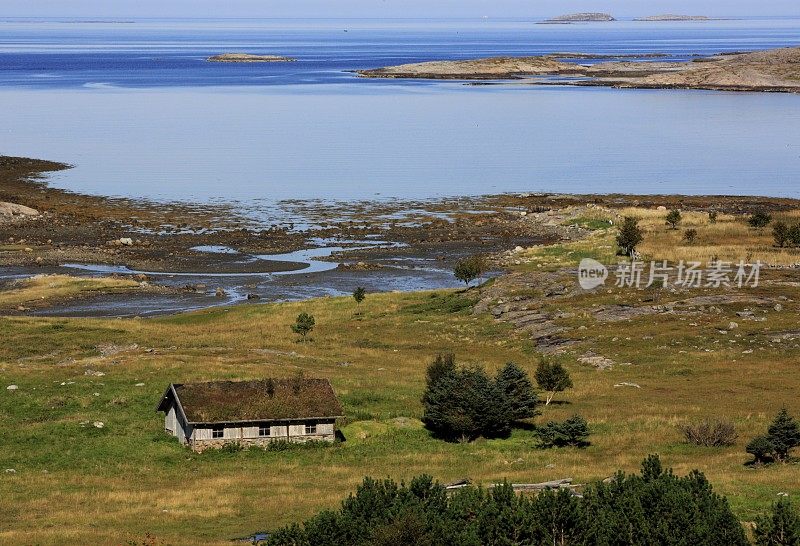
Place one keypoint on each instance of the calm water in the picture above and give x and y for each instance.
(140, 113)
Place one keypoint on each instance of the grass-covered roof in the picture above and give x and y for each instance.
(263, 400)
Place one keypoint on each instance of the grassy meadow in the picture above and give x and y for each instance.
(75, 481)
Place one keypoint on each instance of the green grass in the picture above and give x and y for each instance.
(75, 483)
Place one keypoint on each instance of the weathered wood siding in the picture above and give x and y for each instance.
(201, 438)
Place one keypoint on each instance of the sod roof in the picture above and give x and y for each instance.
(249, 401)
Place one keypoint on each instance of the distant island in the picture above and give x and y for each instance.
(671, 17)
(579, 18)
(248, 58)
(776, 70)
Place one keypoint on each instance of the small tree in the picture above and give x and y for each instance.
(515, 384)
(690, 235)
(794, 235)
(572, 432)
(552, 377)
(762, 449)
(785, 434)
(630, 235)
(782, 528)
(674, 218)
(759, 219)
(303, 325)
(781, 234)
(359, 294)
(469, 269)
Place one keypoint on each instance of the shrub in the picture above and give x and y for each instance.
(784, 433)
(655, 507)
(759, 219)
(469, 269)
(781, 528)
(710, 433)
(674, 218)
(572, 432)
(780, 232)
(552, 377)
(762, 449)
(712, 217)
(629, 237)
(794, 235)
(303, 325)
(690, 235)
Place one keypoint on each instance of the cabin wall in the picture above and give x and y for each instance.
(201, 437)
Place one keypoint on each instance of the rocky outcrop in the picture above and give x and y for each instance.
(776, 70)
(248, 58)
(672, 17)
(579, 18)
(13, 211)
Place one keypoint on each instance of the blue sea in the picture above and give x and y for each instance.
(140, 113)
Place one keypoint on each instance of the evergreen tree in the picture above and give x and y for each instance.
(303, 325)
(516, 386)
(784, 433)
(552, 377)
(359, 294)
(762, 449)
(629, 237)
(674, 218)
(781, 234)
(782, 528)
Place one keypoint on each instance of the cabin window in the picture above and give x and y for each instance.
(311, 428)
(218, 432)
(264, 431)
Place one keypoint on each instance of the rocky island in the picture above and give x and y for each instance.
(775, 70)
(248, 58)
(579, 18)
(672, 17)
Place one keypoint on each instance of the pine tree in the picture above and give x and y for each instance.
(784, 433)
(781, 529)
(629, 237)
(515, 384)
(303, 325)
(674, 218)
(762, 449)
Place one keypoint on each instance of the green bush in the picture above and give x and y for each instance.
(759, 219)
(574, 432)
(762, 449)
(655, 507)
(781, 528)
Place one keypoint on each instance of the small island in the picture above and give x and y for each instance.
(248, 58)
(579, 18)
(671, 17)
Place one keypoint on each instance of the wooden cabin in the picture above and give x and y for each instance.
(210, 415)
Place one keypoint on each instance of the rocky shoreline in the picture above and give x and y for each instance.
(776, 70)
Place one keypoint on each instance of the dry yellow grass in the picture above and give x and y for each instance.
(76, 484)
(43, 288)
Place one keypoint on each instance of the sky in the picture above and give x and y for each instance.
(387, 8)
